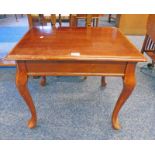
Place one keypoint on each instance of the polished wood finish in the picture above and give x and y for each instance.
(60, 68)
(41, 20)
(21, 83)
(73, 18)
(149, 41)
(129, 83)
(75, 52)
(101, 44)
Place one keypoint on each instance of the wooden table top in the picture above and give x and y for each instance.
(101, 43)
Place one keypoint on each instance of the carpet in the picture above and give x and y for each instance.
(69, 108)
(12, 34)
(9, 38)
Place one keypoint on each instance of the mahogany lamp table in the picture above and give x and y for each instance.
(47, 51)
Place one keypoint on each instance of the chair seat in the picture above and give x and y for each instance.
(92, 15)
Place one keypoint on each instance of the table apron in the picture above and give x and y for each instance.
(74, 68)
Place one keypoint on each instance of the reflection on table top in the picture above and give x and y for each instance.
(101, 43)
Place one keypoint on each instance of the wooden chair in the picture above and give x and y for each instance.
(149, 41)
(89, 18)
(73, 19)
(65, 18)
(41, 20)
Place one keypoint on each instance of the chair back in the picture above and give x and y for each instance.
(89, 18)
(72, 18)
(149, 42)
(151, 27)
(41, 19)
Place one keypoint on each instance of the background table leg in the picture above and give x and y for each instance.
(43, 81)
(103, 82)
(21, 84)
(129, 82)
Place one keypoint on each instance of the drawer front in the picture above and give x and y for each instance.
(75, 68)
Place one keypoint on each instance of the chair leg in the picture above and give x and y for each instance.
(85, 77)
(60, 20)
(109, 19)
(16, 18)
(144, 44)
(43, 81)
(151, 65)
(93, 22)
(153, 62)
(103, 82)
(97, 21)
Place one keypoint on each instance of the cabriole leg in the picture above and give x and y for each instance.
(129, 82)
(21, 84)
